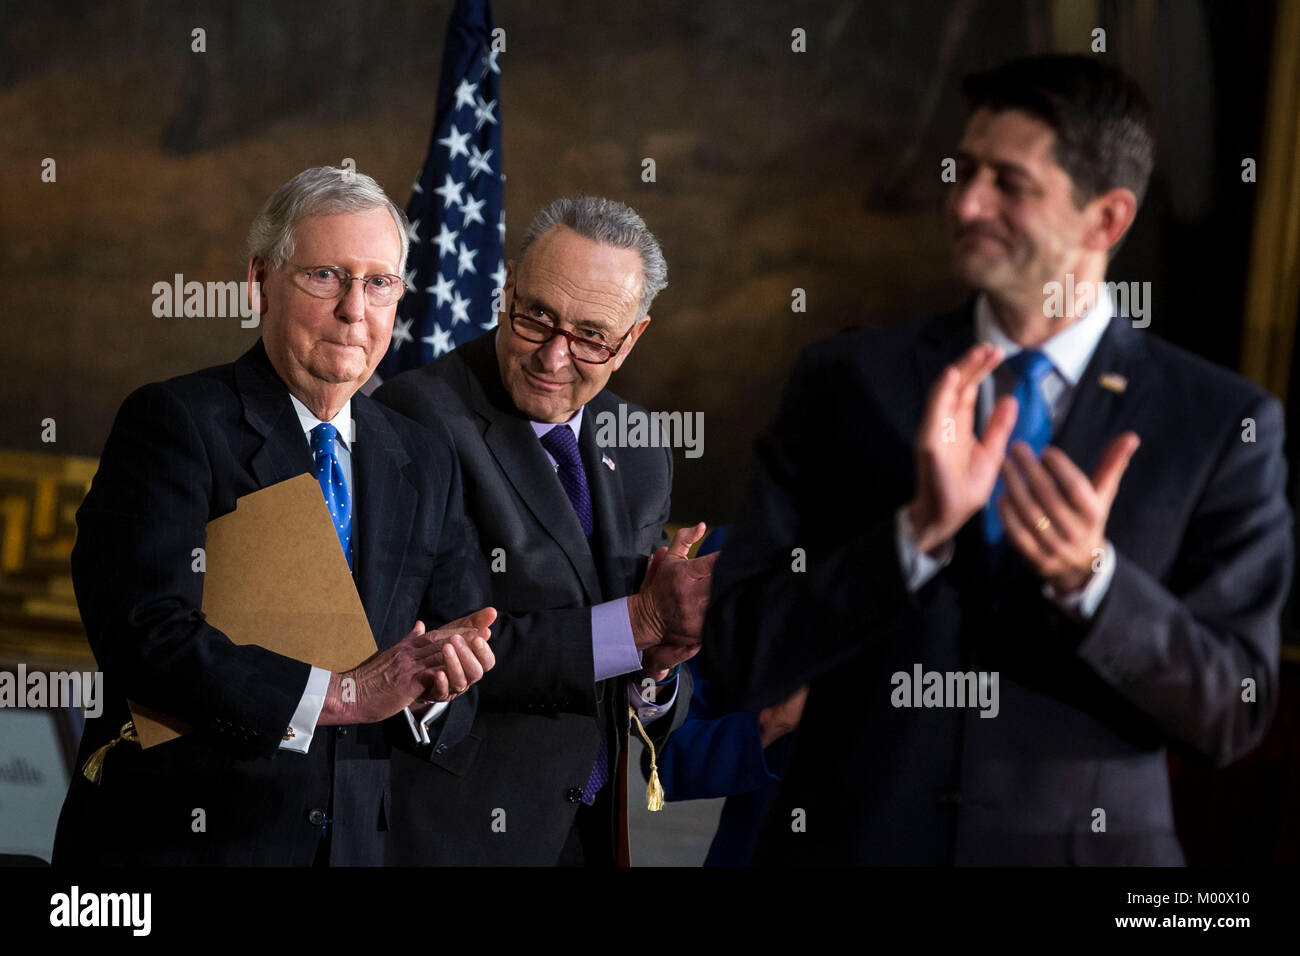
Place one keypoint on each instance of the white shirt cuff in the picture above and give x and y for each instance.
(918, 567)
(1083, 602)
(303, 724)
(643, 700)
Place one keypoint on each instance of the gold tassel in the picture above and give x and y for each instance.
(654, 791)
(94, 768)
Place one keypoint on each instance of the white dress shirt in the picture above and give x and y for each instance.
(303, 724)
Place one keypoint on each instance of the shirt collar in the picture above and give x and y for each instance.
(342, 421)
(541, 428)
(1069, 350)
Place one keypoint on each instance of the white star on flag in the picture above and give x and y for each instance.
(465, 93)
(470, 210)
(489, 61)
(441, 289)
(402, 333)
(459, 310)
(440, 340)
(499, 277)
(478, 162)
(465, 260)
(446, 240)
(450, 192)
(414, 232)
(455, 142)
(501, 226)
(483, 113)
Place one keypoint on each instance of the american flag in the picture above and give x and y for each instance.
(458, 223)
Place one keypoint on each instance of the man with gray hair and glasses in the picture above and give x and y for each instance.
(288, 762)
(569, 528)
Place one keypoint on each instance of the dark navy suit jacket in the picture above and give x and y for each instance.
(181, 453)
(518, 778)
(1182, 653)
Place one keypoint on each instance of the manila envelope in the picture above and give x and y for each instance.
(276, 576)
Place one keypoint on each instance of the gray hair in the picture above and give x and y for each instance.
(319, 191)
(610, 223)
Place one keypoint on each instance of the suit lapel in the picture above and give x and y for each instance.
(383, 500)
(510, 438)
(1098, 413)
(283, 452)
(523, 461)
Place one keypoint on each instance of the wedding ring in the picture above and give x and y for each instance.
(1043, 523)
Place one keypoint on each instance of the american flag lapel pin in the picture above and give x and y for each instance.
(607, 462)
(1114, 382)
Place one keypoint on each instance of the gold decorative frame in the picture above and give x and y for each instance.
(1273, 283)
(39, 497)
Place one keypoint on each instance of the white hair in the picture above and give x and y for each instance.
(319, 191)
(610, 223)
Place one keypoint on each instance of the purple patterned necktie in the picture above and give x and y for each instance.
(563, 447)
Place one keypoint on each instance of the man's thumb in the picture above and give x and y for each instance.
(684, 539)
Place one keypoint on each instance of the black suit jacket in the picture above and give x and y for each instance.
(180, 453)
(541, 713)
(1202, 532)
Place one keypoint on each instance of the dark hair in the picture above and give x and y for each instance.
(1105, 135)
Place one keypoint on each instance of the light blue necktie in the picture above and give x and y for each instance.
(329, 472)
(1033, 425)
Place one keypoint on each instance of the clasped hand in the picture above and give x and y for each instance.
(424, 667)
(668, 612)
(1053, 514)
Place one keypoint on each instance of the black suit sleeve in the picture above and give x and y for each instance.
(794, 594)
(140, 596)
(543, 659)
(544, 663)
(1180, 653)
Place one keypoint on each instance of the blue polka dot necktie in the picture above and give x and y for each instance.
(1033, 425)
(563, 447)
(329, 472)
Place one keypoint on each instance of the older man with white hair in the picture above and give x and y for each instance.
(569, 524)
(287, 762)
